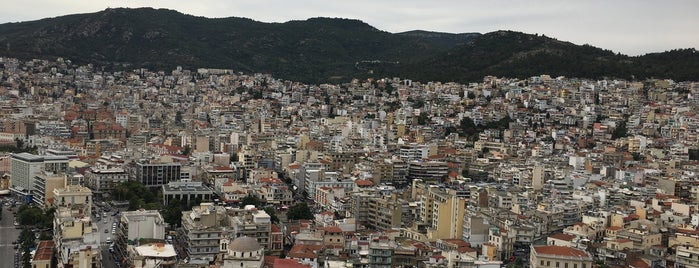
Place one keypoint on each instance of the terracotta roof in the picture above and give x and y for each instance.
(44, 251)
(638, 263)
(289, 263)
(561, 251)
(364, 183)
(614, 228)
(562, 236)
(301, 251)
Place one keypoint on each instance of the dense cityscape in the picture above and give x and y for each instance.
(219, 168)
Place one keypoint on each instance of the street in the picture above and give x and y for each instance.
(107, 257)
(8, 233)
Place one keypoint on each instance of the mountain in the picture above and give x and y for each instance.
(319, 49)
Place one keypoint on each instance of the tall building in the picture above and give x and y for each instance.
(136, 225)
(157, 174)
(75, 236)
(431, 171)
(25, 166)
(44, 184)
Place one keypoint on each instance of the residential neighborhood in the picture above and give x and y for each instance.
(220, 168)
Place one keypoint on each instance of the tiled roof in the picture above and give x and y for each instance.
(44, 251)
(562, 236)
(561, 251)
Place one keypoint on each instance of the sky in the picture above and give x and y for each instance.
(631, 27)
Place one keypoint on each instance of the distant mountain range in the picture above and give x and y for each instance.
(321, 49)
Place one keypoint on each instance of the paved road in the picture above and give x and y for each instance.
(107, 259)
(8, 233)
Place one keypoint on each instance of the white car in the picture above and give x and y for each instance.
(109, 240)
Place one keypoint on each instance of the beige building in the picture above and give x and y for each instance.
(443, 211)
(77, 240)
(152, 255)
(44, 185)
(74, 196)
(560, 257)
(687, 256)
(642, 239)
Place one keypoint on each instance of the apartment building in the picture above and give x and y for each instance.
(559, 257)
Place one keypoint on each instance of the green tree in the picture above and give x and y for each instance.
(422, 118)
(620, 131)
(186, 150)
(29, 216)
(178, 118)
(272, 214)
(173, 212)
(299, 211)
(250, 200)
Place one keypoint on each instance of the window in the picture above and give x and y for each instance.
(542, 263)
(557, 264)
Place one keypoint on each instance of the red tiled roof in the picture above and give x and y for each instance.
(44, 251)
(302, 251)
(561, 251)
(289, 263)
(562, 236)
(364, 183)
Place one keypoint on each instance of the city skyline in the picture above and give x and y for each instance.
(644, 27)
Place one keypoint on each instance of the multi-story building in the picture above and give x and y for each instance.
(152, 255)
(559, 256)
(157, 174)
(102, 179)
(187, 192)
(206, 225)
(385, 212)
(432, 171)
(686, 256)
(25, 166)
(137, 225)
(44, 184)
(74, 196)
(381, 253)
(201, 232)
(75, 237)
(442, 209)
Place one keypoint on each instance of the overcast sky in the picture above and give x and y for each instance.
(631, 27)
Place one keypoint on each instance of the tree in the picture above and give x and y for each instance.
(620, 131)
(272, 214)
(186, 150)
(250, 200)
(422, 118)
(173, 212)
(299, 211)
(178, 118)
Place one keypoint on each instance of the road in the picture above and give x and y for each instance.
(107, 257)
(8, 233)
